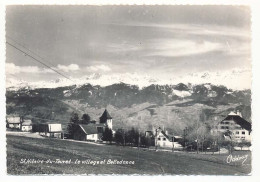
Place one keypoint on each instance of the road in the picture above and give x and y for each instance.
(23, 151)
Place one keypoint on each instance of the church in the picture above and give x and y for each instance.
(93, 132)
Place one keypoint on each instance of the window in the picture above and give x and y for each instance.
(222, 127)
(159, 139)
(237, 132)
(243, 132)
(164, 139)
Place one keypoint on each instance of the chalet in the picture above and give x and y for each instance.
(234, 128)
(164, 140)
(13, 122)
(93, 131)
(53, 130)
(26, 125)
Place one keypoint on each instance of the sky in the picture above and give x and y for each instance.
(160, 42)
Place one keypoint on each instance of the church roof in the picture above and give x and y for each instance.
(90, 128)
(105, 115)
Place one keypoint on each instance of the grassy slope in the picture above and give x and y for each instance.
(146, 162)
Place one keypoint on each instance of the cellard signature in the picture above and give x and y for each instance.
(237, 158)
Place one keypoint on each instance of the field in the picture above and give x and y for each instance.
(25, 154)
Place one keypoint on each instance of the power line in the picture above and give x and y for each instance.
(28, 49)
(38, 61)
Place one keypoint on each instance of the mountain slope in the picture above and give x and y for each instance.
(171, 106)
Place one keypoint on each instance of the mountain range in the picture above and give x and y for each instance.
(171, 106)
(227, 78)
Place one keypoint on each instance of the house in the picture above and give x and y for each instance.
(13, 122)
(234, 128)
(165, 140)
(93, 131)
(53, 130)
(89, 132)
(26, 125)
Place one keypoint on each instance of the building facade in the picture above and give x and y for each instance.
(52, 130)
(234, 128)
(164, 140)
(13, 122)
(26, 125)
(92, 131)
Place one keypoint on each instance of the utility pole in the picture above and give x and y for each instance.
(155, 139)
(124, 135)
(184, 136)
(173, 144)
(138, 143)
(123, 130)
(197, 136)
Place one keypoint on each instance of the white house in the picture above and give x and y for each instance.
(13, 122)
(164, 140)
(234, 128)
(53, 130)
(26, 125)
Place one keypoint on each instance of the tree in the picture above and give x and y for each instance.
(71, 126)
(119, 136)
(74, 118)
(132, 137)
(85, 119)
(107, 135)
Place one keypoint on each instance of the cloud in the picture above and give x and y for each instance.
(194, 29)
(68, 68)
(11, 68)
(102, 67)
(123, 47)
(177, 47)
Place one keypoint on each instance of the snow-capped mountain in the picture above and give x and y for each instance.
(237, 79)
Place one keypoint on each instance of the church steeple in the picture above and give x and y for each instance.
(106, 118)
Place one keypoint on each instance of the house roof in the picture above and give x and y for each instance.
(105, 115)
(89, 128)
(240, 121)
(232, 114)
(27, 122)
(167, 136)
(13, 120)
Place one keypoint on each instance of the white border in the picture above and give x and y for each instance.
(255, 89)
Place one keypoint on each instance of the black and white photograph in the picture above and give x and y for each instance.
(128, 90)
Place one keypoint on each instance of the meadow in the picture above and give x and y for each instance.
(30, 155)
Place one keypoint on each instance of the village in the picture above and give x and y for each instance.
(231, 133)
